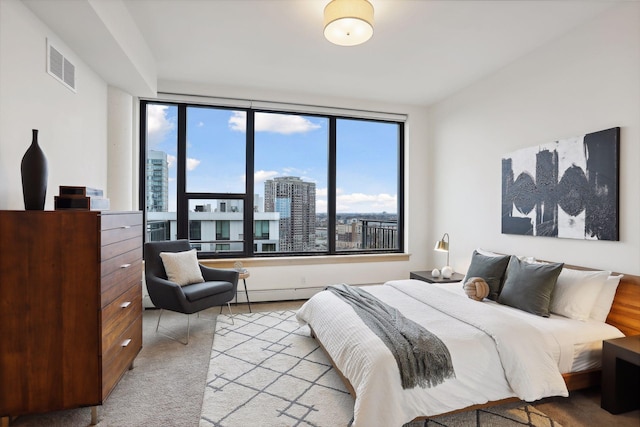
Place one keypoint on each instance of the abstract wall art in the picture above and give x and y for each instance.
(567, 188)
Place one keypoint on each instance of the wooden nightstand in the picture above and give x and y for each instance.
(621, 374)
(426, 276)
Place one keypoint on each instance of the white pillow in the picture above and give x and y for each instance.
(576, 292)
(487, 253)
(602, 306)
(524, 258)
(182, 267)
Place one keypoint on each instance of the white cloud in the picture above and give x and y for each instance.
(192, 164)
(262, 176)
(238, 121)
(171, 160)
(158, 125)
(200, 124)
(359, 202)
(285, 124)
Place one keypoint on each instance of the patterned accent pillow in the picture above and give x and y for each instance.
(476, 288)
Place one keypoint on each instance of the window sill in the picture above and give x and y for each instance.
(305, 260)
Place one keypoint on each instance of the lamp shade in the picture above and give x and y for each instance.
(348, 22)
(441, 246)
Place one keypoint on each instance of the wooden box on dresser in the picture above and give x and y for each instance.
(70, 307)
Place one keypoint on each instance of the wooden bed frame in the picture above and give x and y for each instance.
(624, 315)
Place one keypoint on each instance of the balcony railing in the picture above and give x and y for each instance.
(378, 234)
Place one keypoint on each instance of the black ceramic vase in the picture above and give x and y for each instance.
(34, 176)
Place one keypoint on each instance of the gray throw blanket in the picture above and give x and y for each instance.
(423, 359)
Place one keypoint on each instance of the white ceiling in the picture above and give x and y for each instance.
(421, 50)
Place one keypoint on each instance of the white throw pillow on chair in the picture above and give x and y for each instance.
(182, 267)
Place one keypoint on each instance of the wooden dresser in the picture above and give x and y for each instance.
(70, 307)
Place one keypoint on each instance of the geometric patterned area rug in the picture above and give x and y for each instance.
(267, 371)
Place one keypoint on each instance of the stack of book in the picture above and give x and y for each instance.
(81, 198)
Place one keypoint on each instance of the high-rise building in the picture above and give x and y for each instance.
(157, 181)
(295, 201)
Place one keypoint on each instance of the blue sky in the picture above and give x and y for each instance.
(285, 145)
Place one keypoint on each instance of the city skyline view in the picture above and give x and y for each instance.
(286, 145)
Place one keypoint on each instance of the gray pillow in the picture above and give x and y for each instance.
(528, 286)
(491, 269)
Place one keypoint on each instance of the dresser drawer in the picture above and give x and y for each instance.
(120, 356)
(114, 250)
(113, 220)
(118, 282)
(118, 315)
(115, 235)
(120, 262)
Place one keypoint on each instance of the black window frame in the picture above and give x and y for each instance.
(183, 197)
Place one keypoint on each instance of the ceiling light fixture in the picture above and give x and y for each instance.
(348, 22)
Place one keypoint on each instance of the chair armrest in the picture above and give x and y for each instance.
(165, 294)
(226, 275)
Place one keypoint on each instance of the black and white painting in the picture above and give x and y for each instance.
(567, 188)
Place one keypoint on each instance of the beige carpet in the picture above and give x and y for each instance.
(166, 387)
(266, 363)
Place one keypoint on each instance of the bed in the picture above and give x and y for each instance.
(499, 353)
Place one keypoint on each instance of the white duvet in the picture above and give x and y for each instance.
(495, 355)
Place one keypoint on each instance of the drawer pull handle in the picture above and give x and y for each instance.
(125, 265)
(126, 342)
(126, 226)
(125, 304)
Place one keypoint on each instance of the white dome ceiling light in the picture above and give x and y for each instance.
(348, 22)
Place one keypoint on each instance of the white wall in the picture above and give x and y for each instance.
(588, 80)
(72, 126)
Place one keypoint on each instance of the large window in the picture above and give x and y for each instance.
(291, 158)
(321, 184)
(367, 170)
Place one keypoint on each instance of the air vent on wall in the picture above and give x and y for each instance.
(60, 67)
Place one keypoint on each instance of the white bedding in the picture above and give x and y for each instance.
(484, 372)
(579, 343)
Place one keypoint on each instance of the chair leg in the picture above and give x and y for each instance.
(188, 328)
(246, 293)
(159, 316)
(230, 313)
(171, 336)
